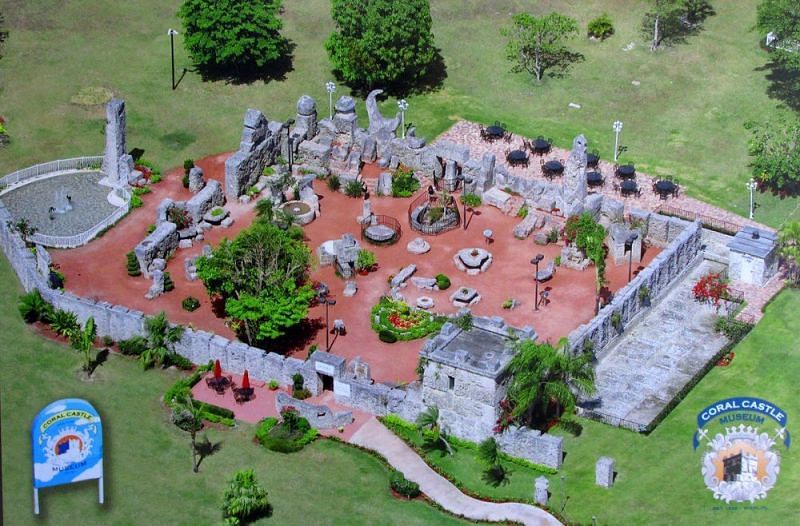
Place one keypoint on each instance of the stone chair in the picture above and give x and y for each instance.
(546, 273)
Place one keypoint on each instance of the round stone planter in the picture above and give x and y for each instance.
(300, 210)
(425, 302)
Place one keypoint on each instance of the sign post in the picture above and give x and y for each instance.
(67, 440)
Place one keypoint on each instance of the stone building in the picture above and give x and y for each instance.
(754, 256)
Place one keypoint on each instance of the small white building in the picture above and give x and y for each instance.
(754, 256)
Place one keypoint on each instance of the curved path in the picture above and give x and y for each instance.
(375, 436)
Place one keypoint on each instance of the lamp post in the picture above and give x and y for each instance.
(171, 32)
(403, 105)
(329, 302)
(629, 248)
(536, 259)
(617, 127)
(330, 87)
(751, 185)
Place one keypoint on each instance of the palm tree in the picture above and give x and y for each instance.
(495, 473)
(543, 376)
(429, 420)
(161, 336)
(245, 499)
(789, 242)
(193, 414)
(83, 341)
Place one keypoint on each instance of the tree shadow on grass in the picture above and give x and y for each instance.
(243, 74)
(784, 84)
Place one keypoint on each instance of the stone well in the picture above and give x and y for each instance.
(300, 210)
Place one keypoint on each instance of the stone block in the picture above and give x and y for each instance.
(405, 273)
(203, 201)
(196, 181)
(161, 243)
(350, 289)
(540, 491)
(604, 472)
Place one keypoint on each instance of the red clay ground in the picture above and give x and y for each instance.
(98, 270)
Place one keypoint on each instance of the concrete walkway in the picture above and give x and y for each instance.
(375, 436)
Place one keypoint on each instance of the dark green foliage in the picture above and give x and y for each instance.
(334, 183)
(782, 18)
(601, 27)
(775, 154)
(471, 200)
(366, 259)
(670, 22)
(245, 499)
(442, 281)
(185, 180)
(233, 37)
(552, 235)
(190, 303)
(496, 475)
(536, 45)
(33, 308)
(107, 340)
(463, 321)
(288, 436)
(435, 213)
(161, 338)
(404, 184)
(185, 421)
(382, 43)
(179, 216)
(188, 164)
(133, 264)
(133, 346)
(387, 336)
(301, 394)
(261, 275)
(168, 283)
(400, 484)
(297, 381)
(732, 328)
(64, 322)
(354, 189)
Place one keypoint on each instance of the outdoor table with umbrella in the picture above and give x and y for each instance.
(628, 187)
(517, 158)
(594, 179)
(245, 393)
(217, 381)
(552, 168)
(626, 171)
(665, 188)
(540, 146)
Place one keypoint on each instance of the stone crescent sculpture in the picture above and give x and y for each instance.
(377, 122)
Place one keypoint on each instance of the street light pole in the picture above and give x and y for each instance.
(751, 185)
(171, 32)
(617, 127)
(403, 105)
(536, 259)
(330, 87)
(629, 247)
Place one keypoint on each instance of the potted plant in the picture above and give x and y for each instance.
(365, 261)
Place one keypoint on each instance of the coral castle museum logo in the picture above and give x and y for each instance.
(741, 461)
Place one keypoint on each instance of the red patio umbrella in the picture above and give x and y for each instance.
(217, 370)
(246, 380)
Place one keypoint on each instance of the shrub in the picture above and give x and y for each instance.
(557, 260)
(354, 189)
(190, 303)
(523, 212)
(136, 201)
(400, 484)
(601, 27)
(218, 211)
(442, 281)
(64, 322)
(182, 418)
(297, 381)
(151, 228)
(334, 183)
(616, 319)
(732, 328)
(273, 385)
(268, 170)
(435, 213)
(244, 500)
(179, 216)
(108, 341)
(509, 303)
(552, 235)
(288, 436)
(185, 180)
(188, 164)
(365, 260)
(133, 264)
(34, 308)
(264, 427)
(644, 294)
(471, 200)
(711, 288)
(404, 184)
(168, 283)
(155, 178)
(387, 336)
(133, 346)
(301, 394)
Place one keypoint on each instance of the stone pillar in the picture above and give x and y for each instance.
(450, 172)
(573, 189)
(306, 120)
(540, 493)
(604, 472)
(196, 181)
(115, 143)
(345, 119)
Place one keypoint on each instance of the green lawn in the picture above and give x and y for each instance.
(685, 118)
(659, 479)
(149, 478)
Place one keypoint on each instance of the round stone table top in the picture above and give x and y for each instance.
(425, 302)
(379, 233)
(473, 257)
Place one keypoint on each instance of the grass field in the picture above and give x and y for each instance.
(659, 479)
(684, 119)
(149, 477)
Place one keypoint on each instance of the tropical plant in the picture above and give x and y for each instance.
(536, 45)
(435, 436)
(789, 248)
(191, 413)
(399, 483)
(334, 183)
(495, 473)
(463, 321)
(190, 303)
(601, 27)
(544, 383)
(354, 189)
(366, 51)
(711, 288)
(404, 184)
(245, 499)
(64, 322)
(168, 283)
(34, 308)
(133, 346)
(161, 339)
(83, 341)
(233, 37)
(365, 260)
(24, 229)
(471, 200)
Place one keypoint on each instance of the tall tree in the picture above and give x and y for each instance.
(161, 339)
(671, 21)
(782, 19)
(789, 242)
(536, 45)
(382, 43)
(544, 383)
(233, 36)
(774, 149)
(262, 277)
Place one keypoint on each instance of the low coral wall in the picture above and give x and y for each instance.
(319, 416)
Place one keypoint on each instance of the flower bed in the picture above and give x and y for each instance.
(405, 323)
